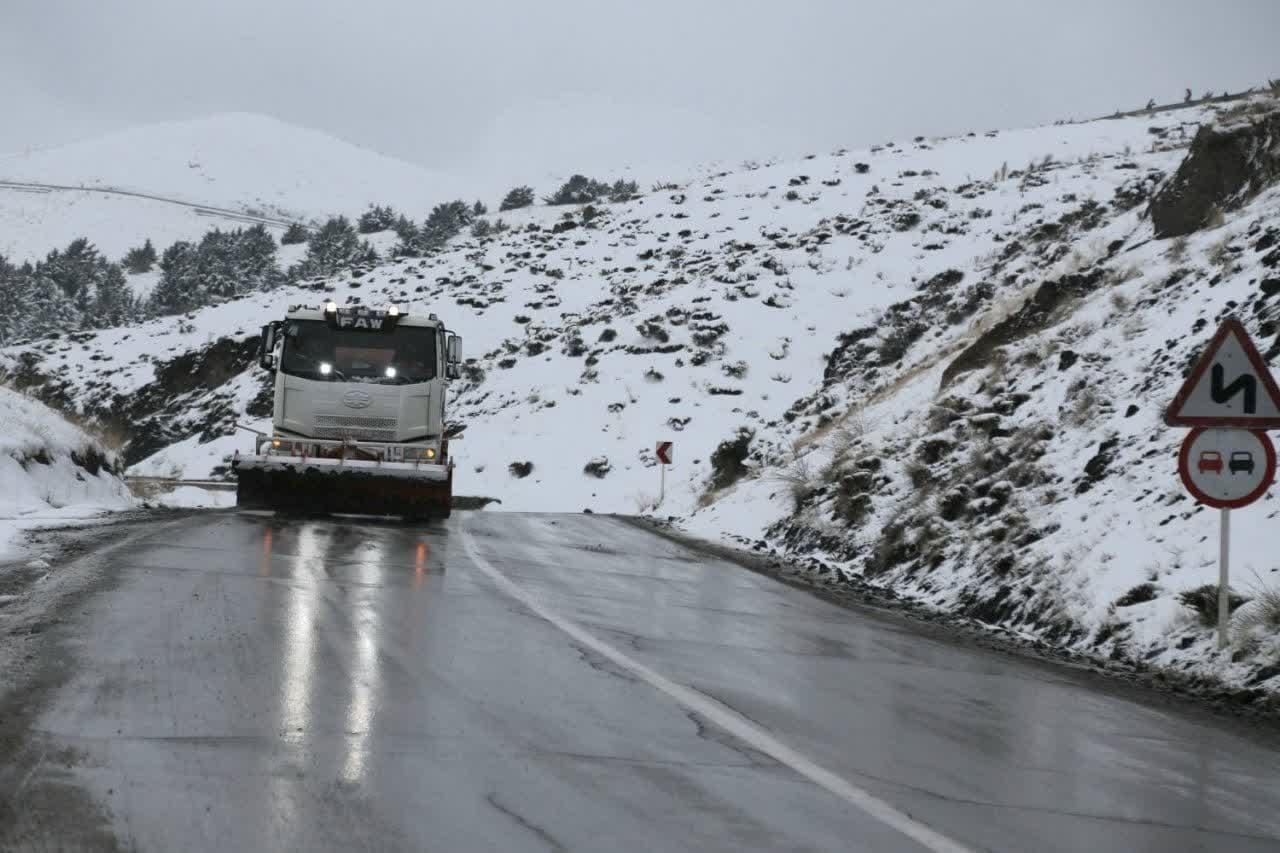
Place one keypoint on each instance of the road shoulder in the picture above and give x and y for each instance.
(1252, 713)
(44, 592)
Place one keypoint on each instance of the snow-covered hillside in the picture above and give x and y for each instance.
(51, 471)
(938, 365)
(176, 180)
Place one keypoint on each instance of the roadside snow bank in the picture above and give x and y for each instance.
(194, 497)
(51, 471)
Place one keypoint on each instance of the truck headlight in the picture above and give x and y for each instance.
(430, 453)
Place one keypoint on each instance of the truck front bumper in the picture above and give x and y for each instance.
(360, 467)
(424, 461)
(348, 481)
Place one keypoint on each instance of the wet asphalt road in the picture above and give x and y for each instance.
(546, 683)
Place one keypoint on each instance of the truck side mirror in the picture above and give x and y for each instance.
(267, 347)
(453, 357)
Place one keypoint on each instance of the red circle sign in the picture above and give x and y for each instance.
(1227, 468)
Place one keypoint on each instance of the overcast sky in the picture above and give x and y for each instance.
(538, 86)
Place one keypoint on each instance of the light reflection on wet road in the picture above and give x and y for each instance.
(250, 683)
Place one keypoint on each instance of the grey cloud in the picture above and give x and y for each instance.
(532, 88)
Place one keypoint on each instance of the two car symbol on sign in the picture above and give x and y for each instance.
(1211, 462)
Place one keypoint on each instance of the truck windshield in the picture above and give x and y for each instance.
(315, 350)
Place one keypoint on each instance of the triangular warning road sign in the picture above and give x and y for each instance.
(1229, 387)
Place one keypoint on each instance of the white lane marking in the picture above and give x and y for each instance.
(724, 717)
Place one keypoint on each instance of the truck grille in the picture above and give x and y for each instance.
(370, 429)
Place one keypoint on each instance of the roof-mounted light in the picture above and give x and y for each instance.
(393, 311)
(331, 307)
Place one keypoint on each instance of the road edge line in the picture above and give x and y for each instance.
(723, 716)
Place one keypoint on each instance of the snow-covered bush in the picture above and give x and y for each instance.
(517, 198)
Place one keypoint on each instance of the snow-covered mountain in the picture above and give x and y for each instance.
(938, 365)
(176, 180)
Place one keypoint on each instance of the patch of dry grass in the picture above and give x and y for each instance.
(1262, 612)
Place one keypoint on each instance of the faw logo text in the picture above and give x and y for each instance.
(350, 322)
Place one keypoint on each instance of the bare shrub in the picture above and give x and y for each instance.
(798, 478)
(941, 415)
(1204, 601)
(644, 502)
(1220, 255)
(1133, 327)
(845, 439)
(1082, 404)
(1177, 248)
(1139, 594)
(920, 475)
(1119, 275)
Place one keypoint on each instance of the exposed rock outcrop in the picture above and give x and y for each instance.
(1226, 166)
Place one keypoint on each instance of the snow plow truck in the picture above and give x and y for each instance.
(358, 421)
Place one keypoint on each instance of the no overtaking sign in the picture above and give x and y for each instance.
(1227, 461)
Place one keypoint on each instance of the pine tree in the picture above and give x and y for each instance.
(114, 304)
(405, 229)
(13, 296)
(579, 189)
(258, 260)
(223, 265)
(46, 308)
(215, 272)
(332, 247)
(623, 190)
(445, 222)
(141, 259)
(479, 209)
(72, 271)
(517, 198)
(88, 283)
(376, 219)
(294, 234)
(177, 291)
(481, 229)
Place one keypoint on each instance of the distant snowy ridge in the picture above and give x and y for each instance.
(220, 165)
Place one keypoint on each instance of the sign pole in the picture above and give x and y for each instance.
(1224, 606)
(663, 452)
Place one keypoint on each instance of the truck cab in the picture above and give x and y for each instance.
(357, 391)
